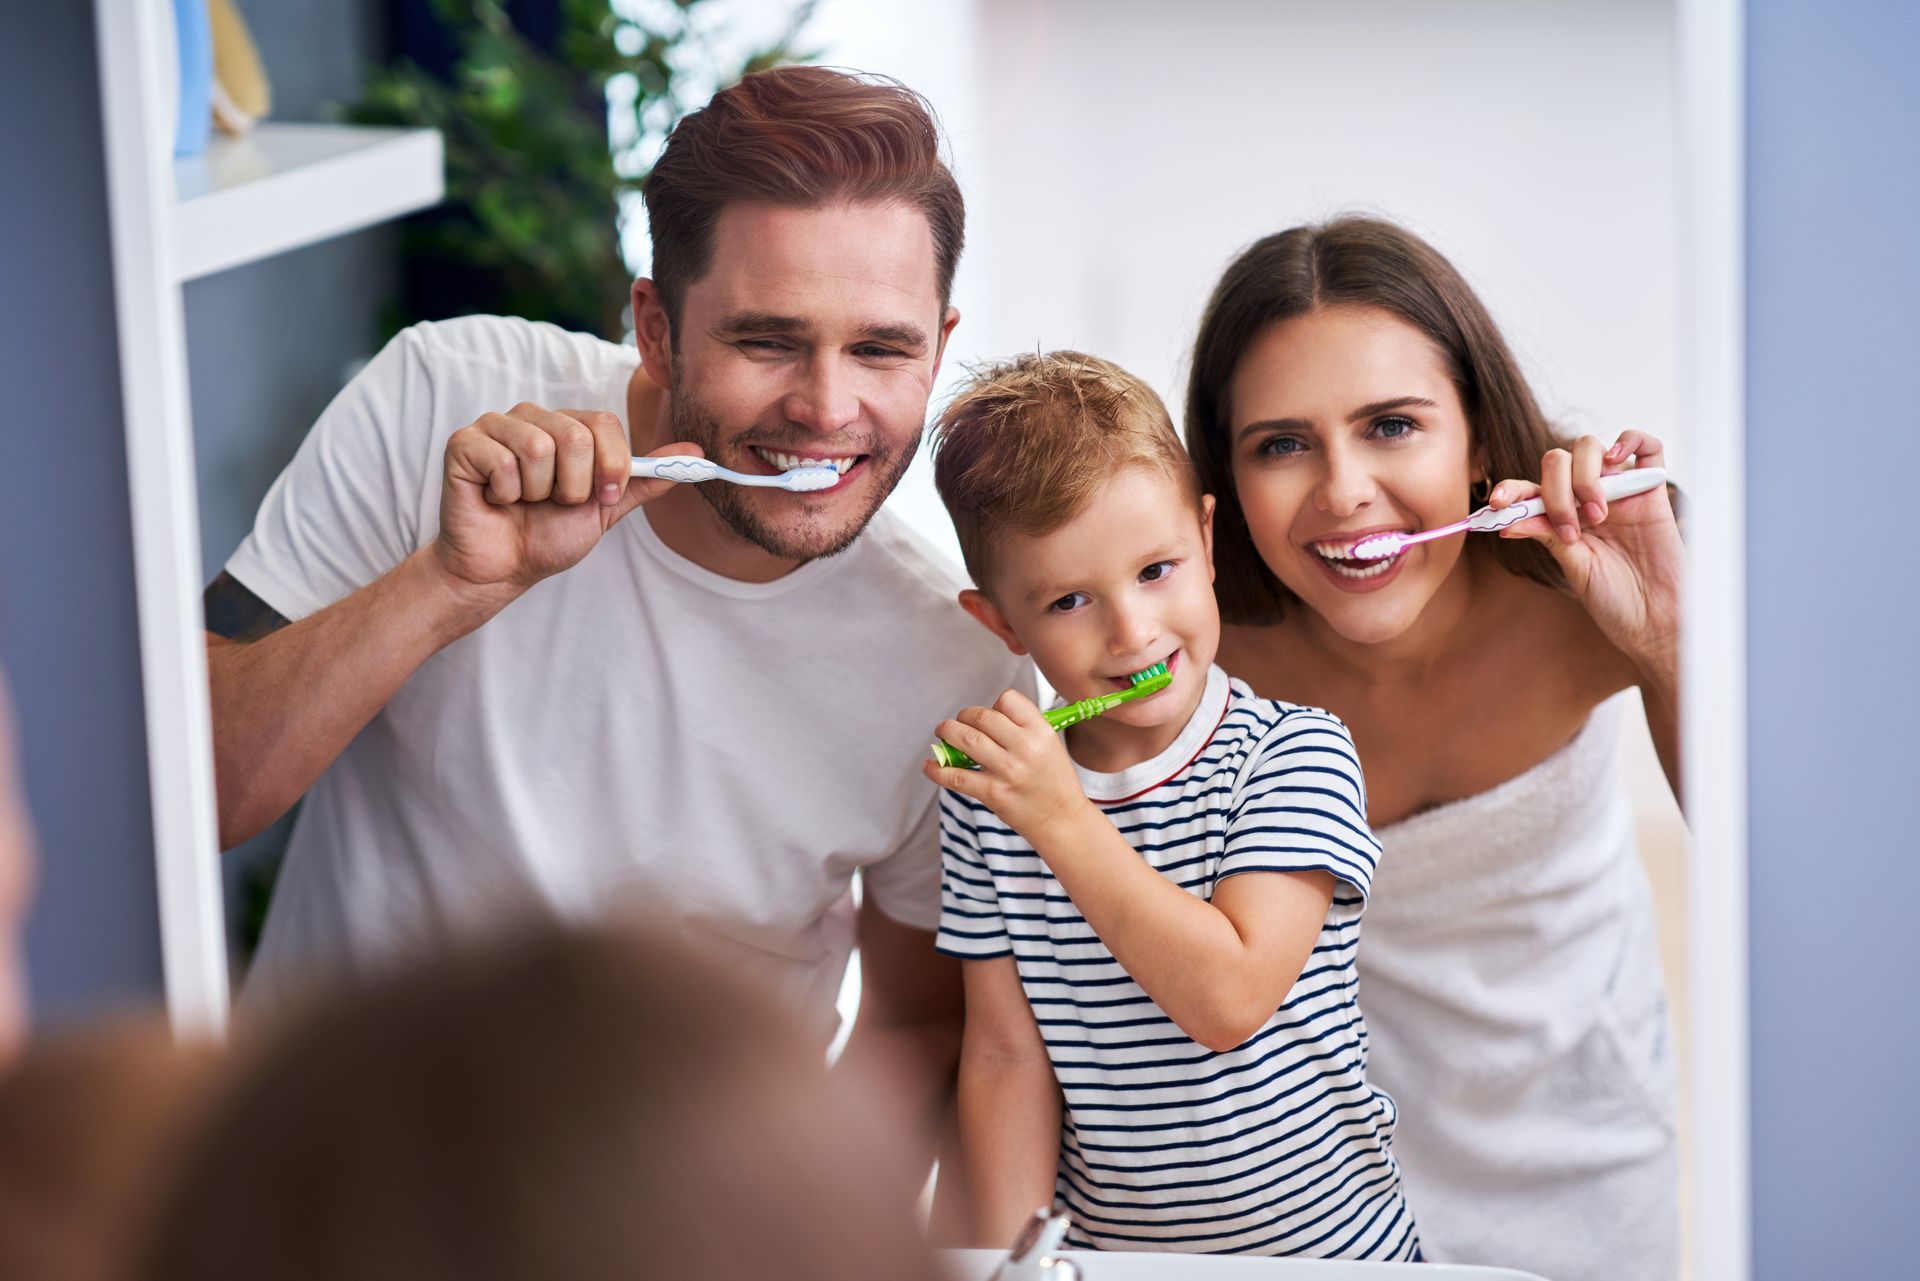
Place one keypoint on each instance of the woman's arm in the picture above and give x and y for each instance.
(1009, 1105)
(1623, 562)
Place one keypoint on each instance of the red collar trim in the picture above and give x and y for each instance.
(1121, 800)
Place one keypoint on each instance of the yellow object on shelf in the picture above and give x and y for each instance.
(241, 94)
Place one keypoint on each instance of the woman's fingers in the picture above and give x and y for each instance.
(1645, 450)
(1589, 456)
(1556, 491)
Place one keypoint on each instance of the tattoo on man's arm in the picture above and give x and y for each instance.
(236, 613)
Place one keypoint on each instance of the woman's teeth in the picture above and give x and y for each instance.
(1336, 558)
(789, 462)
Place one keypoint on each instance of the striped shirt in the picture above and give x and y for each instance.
(1277, 1147)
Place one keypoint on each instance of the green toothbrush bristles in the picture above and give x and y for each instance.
(1158, 669)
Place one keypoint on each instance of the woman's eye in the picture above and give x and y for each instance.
(1068, 603)
(1156, 571)
(1282, 446)
(1394, 428)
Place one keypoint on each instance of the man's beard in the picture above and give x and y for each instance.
(804, 535)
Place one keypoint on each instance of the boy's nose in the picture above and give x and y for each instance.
(824, 402)
(1133, 632)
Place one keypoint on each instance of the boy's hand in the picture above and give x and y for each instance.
(1025, 774)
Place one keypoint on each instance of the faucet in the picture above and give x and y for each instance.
(1034, 1256)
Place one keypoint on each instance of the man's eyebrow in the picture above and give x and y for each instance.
(896, 333)
(1373, 410)
(760, 322)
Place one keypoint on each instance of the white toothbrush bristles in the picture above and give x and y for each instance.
(1378, 548)
(805, 480)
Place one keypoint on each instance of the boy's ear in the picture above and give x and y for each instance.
(1206, 530)
(977, 603)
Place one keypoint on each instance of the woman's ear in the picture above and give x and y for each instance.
(982, 608)
(652, 332)
(1206, 530)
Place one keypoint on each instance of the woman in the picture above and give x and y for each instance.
(1347, 382)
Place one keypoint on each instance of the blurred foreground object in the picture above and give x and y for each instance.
(567, 1106)
(240, 91)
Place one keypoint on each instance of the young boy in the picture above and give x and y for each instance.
(1159, 910)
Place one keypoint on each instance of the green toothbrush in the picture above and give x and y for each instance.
(1151, 681)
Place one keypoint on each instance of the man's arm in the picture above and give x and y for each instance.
(1009, 1106)
(288, 697)
(906, 1038)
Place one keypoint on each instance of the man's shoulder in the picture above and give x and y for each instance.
(516, 348)
(910, 590)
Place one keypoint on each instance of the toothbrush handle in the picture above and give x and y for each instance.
(1623, 484)
(685, 470)
(1057, 717)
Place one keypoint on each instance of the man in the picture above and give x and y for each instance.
(495, 686)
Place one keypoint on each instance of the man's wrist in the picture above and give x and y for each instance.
(453, 606)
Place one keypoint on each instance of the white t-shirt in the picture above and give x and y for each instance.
(635, 731)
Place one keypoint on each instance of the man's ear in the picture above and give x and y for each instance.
(976, 603)
(947, 322)
(652, 333)
(1206, 530)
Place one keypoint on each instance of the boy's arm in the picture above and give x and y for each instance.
(1218, 969)
(1009, 1105)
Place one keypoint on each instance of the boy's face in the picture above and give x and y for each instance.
(1125, 584)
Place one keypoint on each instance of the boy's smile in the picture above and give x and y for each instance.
(1125, 584)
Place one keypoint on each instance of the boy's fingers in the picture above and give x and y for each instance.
(972, 740)
(964, 781)
(1019, 709)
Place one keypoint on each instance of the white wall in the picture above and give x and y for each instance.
(1116, 153)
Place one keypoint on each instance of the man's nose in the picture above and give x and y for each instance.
(825, 400)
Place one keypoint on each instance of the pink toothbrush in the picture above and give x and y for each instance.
(1624, 484)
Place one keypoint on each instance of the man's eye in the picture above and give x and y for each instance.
(878, 353)
(763, 344)
(1395, 428)
(1068, 603)
(1156, 571)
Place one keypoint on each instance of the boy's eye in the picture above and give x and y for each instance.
(1156, 571)
(1068, 603)
(1395, 428)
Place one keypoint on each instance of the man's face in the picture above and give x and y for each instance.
(814, 337)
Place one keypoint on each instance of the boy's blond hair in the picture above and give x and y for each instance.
(1027, 442)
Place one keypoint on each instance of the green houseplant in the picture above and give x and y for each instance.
(538, 178)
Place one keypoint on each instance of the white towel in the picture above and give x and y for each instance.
(1511, 986)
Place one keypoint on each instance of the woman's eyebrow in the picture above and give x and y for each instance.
(1379, 407)
(1274, 424)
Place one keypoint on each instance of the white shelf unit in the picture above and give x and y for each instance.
(278, 189)
(287, 185)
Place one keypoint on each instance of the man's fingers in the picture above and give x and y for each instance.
(533, 449)
(611, 450)
(475, 458)
(572, 446)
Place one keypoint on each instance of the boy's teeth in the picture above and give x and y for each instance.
(791, 462)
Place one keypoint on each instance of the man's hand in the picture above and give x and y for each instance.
(529, 493)
(1025, 774)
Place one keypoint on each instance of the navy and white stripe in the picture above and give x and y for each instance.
(1276, 1147)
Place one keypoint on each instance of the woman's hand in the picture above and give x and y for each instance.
(1025, 774)
(1622, 560)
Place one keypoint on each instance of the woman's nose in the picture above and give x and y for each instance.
(1346, 486)
(825, 401)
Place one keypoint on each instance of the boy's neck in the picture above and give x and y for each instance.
(1108, 746)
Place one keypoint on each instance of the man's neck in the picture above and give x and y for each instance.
(681, 518)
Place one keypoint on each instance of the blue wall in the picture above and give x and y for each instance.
(68, 632)
(1833, 310)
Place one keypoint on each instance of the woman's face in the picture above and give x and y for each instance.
(1344, 425)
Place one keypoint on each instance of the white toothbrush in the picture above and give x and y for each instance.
(800, 480)
(1623, 484)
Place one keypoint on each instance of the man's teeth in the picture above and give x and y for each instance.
(789, 462)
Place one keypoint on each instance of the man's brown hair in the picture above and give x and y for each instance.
(799, 137)
(1027, 442)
